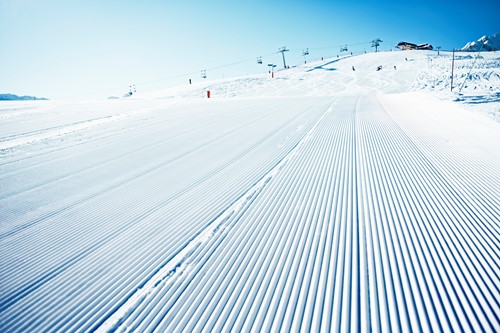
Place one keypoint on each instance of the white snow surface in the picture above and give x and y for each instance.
(485, 43)
(326, 199)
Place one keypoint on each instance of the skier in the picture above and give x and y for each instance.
(353, 68)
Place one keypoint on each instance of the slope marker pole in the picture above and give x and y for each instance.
(452, 67)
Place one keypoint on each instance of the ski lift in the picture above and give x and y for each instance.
(343, 48)
(204, 74)
(259, 60)
(305, 52)
(129, 93)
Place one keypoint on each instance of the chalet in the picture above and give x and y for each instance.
(411, 46)
(424, 47)
(407, 46)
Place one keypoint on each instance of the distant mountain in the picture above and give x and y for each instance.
(485, 43)
(12, 97)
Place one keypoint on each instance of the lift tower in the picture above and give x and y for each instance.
(283, 50)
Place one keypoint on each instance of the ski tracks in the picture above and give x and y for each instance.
(105, 247)
(358, 231)
(214, 231)
(365, 224)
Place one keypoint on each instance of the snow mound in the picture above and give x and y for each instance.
(476, 77)
(476, 81)
(485, 43)
(346, 75)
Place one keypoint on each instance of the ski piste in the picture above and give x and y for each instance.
(323, 199)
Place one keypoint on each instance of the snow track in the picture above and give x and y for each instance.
(211, 231)
(358, 232)
(155, 189)
(280, 214)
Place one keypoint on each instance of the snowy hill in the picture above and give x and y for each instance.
(335, 197)
(485, 43)
(477, 80)
(327, 77)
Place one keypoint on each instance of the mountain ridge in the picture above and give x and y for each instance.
(485, 43)
(13, 97)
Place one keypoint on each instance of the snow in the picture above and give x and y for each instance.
(325, 199)
(485, 43)
(476, 79)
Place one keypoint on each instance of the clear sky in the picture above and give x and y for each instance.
(67, 49)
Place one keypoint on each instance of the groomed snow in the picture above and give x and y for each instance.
(326, 199)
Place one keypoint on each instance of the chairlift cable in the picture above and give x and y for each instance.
(470, 70)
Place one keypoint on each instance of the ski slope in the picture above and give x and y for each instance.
(324, 200)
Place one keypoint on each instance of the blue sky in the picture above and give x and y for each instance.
(94, 49)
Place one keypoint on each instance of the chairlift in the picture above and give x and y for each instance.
(259, 60)
(343, 48)
(129, 93)
(204, 74)
(305, 52)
